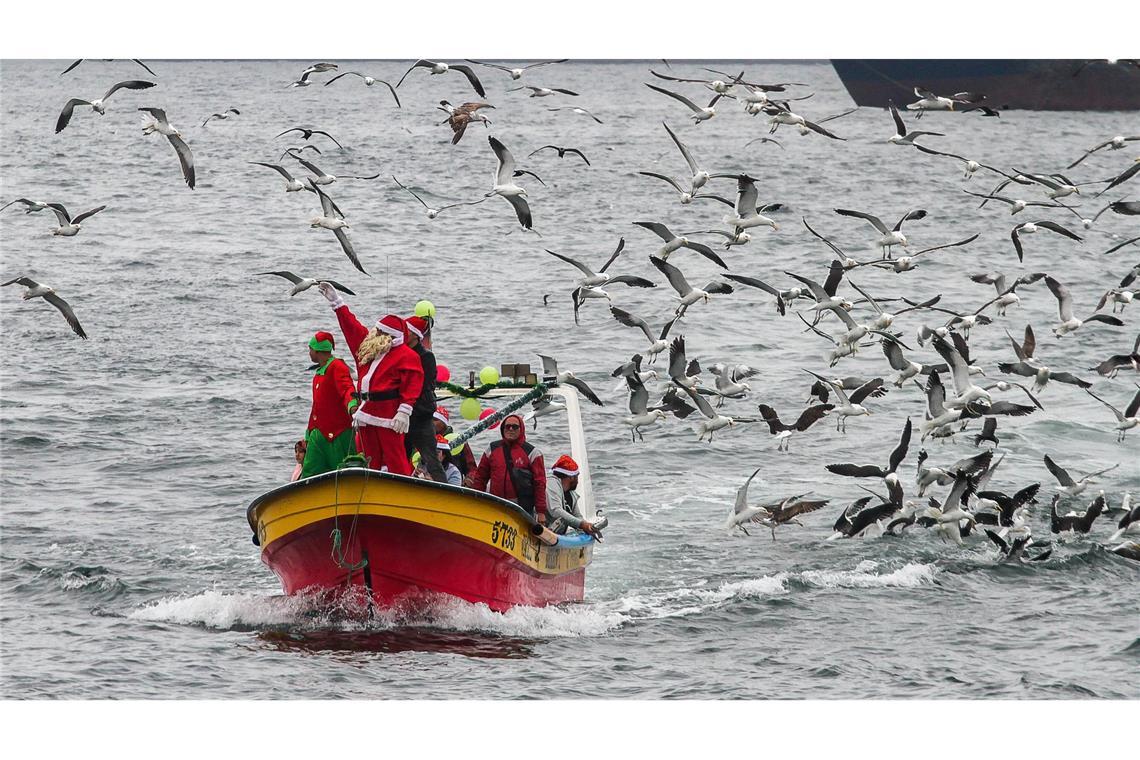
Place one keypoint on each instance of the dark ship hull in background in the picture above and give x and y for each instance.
(1036, 85)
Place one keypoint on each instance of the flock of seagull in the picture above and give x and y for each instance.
(956, 389)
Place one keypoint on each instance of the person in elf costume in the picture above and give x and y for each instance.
(389, 378)
(329, 437)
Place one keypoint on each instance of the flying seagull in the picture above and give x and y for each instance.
(561, 152)
(901, 135)
(221, 116)
(98, 105)
(658, 342)
(543, 92)
(369, 81)
(331, 220)
(307, 133)
(1070, 323)
(133, 60)
(1127, 419)
(36, 290)
(550, 373)
(432, 213)
(1030, 227)
(458, 117)
(640, 413)
(783, 431)
(1068, 486)
(674, 243)
(1075, 522)
(69, 225)
(161, 125)
(889, 237)
(1116, 143)
(517, 72)
(301, 284)
(688, 294)
(440, 68)
(699, 114)
(577, 110)
(505, 183)
(292, 184)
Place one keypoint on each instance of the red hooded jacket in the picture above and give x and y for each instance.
(492, 474)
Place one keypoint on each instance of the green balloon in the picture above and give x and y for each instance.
(470, 408)
(425, 309)
(459, 449)
(488, 376)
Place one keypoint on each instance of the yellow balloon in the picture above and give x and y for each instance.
(415, 459)
(488, 376)
(470, 408)
(425, 309)
(458, 449)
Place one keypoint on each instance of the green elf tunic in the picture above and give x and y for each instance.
(330, 435)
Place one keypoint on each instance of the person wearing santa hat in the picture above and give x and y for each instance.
(421, 427)
(389, 380)
(562, 499)
(329, 436)
(465, 459)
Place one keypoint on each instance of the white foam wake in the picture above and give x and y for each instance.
(910, 575)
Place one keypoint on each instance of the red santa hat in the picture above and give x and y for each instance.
(322, 341)
(394, 326)
(442, 443)
(442, 415)
(565, 466)
(417, 326)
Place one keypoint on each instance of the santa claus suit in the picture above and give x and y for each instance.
(388, 387)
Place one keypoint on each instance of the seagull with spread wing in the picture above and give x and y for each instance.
(98, 105)
(687, 293)
(442, 68)
(160, 124)
(36, 290)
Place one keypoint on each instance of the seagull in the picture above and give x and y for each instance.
(874, 471)
(1116, 143)
(1015, 550)
(368, 81)
(601, 279)
(432, 213)
(850, 406)
(906, 263)
(719, 86)
(458, 117)
(30, 207)
(712, 420)
(890, 237)
(160, 124)
(928, 101)
(1113, 364)
(1068, 486)
(955, 357)
(824, 295)
(562, 152)
(783, 431)
(577, 110)
(302, 149)
(971, 165)
(301, 284)
(673, 243)
(857, 518)
(928, 476)
(307, 133)
(699, 114)
(746, 215)
(1057, 188)
(1030, 227)
(683, 373)
(1069, 323)
(947, 517)
(1129, 524)
(786, 511)
(781, 114)
(292, 184)
(1006, 506)
(69, 225)
(516, 74)
(320, 177)
(902, 136)
(1121, 178)
(741, 513)
(542, 92)
(223, 115)
(505, 184)
(303, 80)
(1075, 522)
(783, 297)
(729, 381)
(938, 415)
(36, 290)
(699, 176)
(688, 294)
(989, 432)
(1016, 205)
(1127, 419)
(330, 220)
(1027, 366)
(441, 68)
(133, 60)
(1006, 295)
(98, 105)
(657, 343)
(543, 406)
(640, 414)
(907, 368)
(550, 373)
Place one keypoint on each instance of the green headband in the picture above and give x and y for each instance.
(320, 345)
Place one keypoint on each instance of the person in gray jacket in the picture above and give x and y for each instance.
(562, 500)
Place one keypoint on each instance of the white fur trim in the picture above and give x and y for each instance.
(404, 409)
(334, 305)
(439, 416)
(397, 335)
(564, 471)
(412, 329)
(364, 419)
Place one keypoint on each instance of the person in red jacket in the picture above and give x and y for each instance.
(514, 469)
(329, 436)
(389, 378)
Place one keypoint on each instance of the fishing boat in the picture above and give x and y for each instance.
(400, 539)
(1038, 85)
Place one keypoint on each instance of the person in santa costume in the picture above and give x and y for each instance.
(390, 377)
(329, 436)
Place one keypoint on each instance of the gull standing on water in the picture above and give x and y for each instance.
(97, 105)
(161, 125)
(36, 290)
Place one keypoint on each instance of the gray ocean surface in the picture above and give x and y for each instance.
(128, 460)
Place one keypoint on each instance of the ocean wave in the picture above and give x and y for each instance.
(910, 575)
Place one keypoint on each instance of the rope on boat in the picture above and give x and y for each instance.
(538, 392)
(338, 553)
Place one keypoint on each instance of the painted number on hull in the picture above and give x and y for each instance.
(504, 535)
